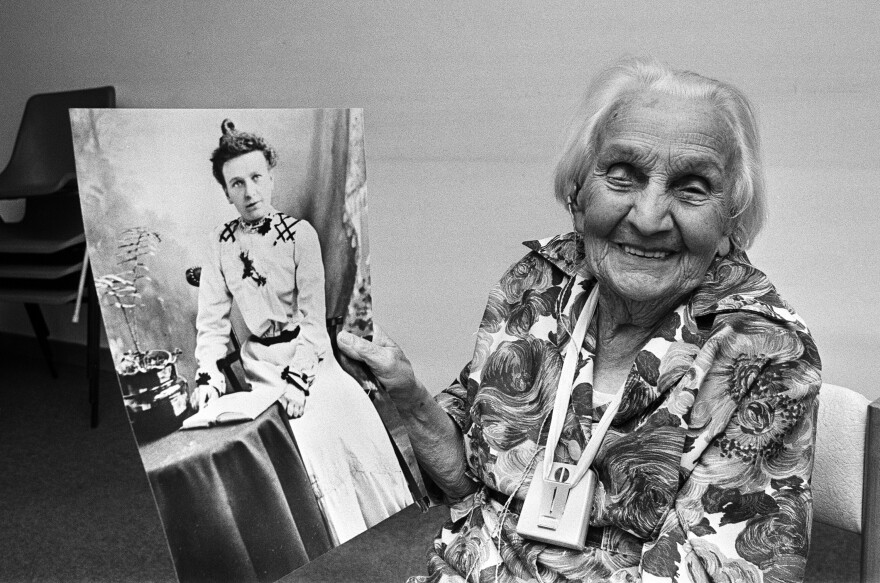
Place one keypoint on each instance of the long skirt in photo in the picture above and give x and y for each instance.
(347, 452)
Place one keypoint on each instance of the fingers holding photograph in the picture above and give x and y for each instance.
(229, 249)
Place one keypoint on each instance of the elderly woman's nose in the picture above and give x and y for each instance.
(650, 212)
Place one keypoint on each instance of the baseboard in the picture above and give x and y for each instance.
(63, 352)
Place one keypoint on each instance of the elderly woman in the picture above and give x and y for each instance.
(704, 472)
(269, 264)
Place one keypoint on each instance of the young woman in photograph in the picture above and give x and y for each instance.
(269, 264)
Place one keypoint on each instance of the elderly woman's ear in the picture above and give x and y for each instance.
(723, 246)
(576, 211)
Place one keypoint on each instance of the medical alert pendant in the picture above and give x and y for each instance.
(557, 505)
(555, 511)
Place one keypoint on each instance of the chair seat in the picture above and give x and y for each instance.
(42, 266)
(19, 185)
(38, 271)
(38, 296)
(28, 237)
(43, 291)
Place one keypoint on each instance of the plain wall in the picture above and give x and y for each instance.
(466, 106)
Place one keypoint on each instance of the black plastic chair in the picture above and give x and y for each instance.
(42, 258)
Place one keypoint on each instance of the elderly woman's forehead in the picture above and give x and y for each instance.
(646, 111)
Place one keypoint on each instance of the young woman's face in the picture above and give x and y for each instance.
(249, 185)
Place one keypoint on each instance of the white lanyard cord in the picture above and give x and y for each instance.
(563, 396)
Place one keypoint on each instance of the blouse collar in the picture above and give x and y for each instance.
(731, 284)
(261, 226)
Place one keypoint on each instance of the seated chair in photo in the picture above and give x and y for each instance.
(846, 475)
(42, 256)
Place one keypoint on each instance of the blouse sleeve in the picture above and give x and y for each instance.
(744, 507)
(310, 299)
(454, 400)
(457, 399)
(213, 326)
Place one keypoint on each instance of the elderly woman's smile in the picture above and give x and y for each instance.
(648, 253)
(654, 203)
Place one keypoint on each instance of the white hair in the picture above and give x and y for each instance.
(747, 204)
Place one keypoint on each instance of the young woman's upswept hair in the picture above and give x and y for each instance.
(233, 144)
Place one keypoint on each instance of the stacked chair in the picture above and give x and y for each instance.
(43, 257)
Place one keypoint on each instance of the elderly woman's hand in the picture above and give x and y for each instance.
(436, 439)
(387, 362)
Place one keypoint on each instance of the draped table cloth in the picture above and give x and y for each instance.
(235, 501)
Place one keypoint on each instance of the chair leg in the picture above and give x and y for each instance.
(93, 341)
(41, 330)
(870, 572)
(225, 366)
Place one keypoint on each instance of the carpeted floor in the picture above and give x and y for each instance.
(75, 504)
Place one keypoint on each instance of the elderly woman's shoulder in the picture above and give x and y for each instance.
(563, 251)
(748, 316)
(733, 284)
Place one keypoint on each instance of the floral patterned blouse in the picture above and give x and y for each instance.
(704, 474)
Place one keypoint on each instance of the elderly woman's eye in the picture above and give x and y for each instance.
(694, 189)
(620, 175)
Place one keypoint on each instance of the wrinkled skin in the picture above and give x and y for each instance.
(653, 209)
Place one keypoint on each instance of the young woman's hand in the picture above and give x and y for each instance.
(208, 387)
(294, 402)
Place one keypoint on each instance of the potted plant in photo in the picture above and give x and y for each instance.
(155, 395)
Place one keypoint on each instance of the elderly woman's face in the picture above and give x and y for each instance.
(654, 205)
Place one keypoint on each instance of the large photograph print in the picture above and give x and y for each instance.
(228, 248)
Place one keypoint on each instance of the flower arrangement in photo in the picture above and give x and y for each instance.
(124, 290)
(155, 395)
